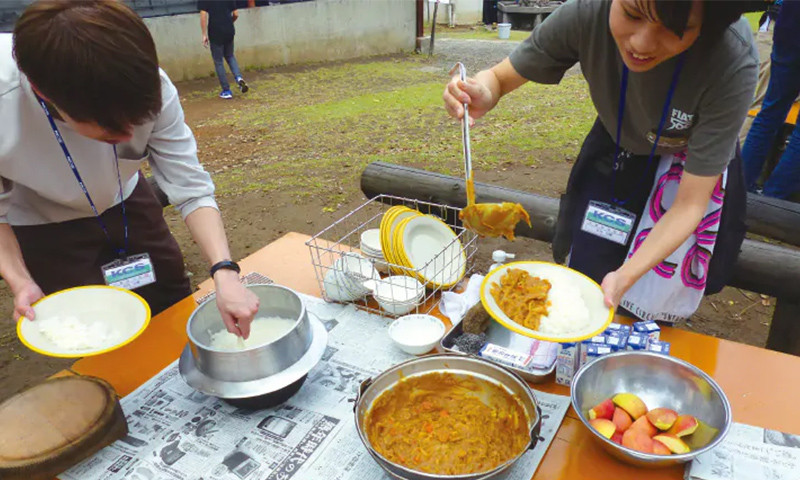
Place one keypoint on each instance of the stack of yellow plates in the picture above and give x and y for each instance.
(428, 249)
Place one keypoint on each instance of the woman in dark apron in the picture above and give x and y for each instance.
(655, 202)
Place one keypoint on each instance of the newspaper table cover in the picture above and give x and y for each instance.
(178, 433)
(749, 453)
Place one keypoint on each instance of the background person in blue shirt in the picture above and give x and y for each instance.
(216, 23)
(784, 86)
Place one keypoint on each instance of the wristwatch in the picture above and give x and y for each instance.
(225, 265)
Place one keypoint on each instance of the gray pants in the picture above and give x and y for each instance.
(222, 52)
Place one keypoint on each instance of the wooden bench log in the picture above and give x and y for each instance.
(774, 218)
(770, 217)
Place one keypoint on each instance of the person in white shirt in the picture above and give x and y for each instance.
(84, 105)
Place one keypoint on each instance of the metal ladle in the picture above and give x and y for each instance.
(486, 219)
(462, 71)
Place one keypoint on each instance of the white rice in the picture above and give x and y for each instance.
(262, 330)
(70, 333)
(567, 312)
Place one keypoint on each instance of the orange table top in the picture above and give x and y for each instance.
(791, 118)
(758, 382)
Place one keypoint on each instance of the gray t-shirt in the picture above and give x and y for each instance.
(714, 91)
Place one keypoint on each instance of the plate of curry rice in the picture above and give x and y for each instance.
(545, 301)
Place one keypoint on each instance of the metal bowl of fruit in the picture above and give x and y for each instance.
(649, 409)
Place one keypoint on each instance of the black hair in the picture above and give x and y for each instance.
(718, 15)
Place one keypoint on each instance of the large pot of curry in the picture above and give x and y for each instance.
(447, 416)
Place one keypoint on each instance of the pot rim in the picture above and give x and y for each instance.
(213, 298)
(533, 424)
(251, 388)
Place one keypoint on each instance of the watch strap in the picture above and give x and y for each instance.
(225, 265)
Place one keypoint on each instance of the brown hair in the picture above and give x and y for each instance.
(94, 59)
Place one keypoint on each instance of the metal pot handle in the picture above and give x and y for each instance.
(361, 389)
(537, 428)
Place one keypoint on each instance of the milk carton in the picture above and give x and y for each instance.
(636, 341)
(649, 328)
(595, 351)
(566, 363)
(618, 328)
(596, 340)
(617, 341)
(659, 347)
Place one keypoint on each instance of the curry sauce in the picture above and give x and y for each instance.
(491, 219)
(446, 424)
(522, 297)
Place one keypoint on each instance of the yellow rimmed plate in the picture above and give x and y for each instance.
(432, 249)
(125, 313)
(392, 234)
(399, 252)
(600, 316)
(385, 230)
(387, 216)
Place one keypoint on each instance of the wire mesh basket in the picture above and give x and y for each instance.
(349, 271)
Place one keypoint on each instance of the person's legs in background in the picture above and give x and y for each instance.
(218, 54)
(785, 179)
(237, 74)
(784, 86)
(764, 43)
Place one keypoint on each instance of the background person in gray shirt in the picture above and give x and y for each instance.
(702, 46)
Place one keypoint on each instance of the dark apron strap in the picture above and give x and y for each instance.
(732, 228)
(597, 144)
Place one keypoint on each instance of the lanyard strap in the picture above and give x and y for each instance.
(122, 252)
(665, 111)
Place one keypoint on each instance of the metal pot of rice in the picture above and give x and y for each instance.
(447, 416)
(267, 368)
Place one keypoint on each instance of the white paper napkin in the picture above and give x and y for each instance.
(455, 305)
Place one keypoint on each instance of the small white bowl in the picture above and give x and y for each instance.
(416, 334)
(397, 308)
(398, 294)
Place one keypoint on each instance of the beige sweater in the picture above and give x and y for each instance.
(38, 186)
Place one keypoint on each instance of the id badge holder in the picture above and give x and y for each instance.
(129, 272)
(609, 222)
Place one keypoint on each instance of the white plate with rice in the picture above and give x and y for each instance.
(84, 321)
(576, 309)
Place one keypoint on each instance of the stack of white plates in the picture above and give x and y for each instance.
(371, 248)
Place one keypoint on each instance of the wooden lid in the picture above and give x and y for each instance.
(54, 425)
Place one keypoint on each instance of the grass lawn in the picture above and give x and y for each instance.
(752, 18)
(314, 131)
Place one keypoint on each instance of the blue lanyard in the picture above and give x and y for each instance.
(122, 252)
(622, 95)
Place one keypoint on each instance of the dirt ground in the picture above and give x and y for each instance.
(256, 214)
